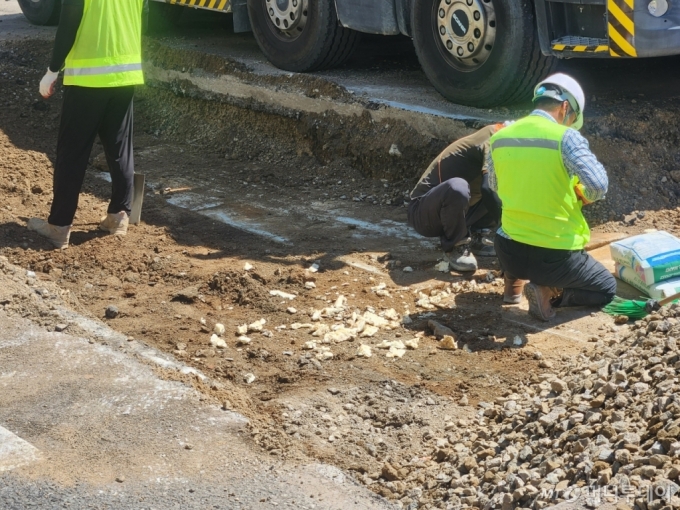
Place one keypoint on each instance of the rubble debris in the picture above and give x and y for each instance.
(257, 326)
(281, 294)
(217, 342)
(340, 335)
(323, 353)
(448, 343)
(442, 267)
(297, 325)
(364, 351)
(321, 330)
(111, 312)
(375, 320)
(412, 343)
(369, 331)
(395, 351)
(219, 329)
(396, 348)
(391, 314)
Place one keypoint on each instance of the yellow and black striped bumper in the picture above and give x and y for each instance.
(213, 5)
(580, 48)
(620, 41)
(621, 28)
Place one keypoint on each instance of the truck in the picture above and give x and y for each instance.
(479, 53)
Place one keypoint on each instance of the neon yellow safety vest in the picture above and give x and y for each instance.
(108, 48)
(540, 207)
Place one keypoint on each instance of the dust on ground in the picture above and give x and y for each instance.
(178, 274)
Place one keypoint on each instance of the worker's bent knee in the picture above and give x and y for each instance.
(457, 189)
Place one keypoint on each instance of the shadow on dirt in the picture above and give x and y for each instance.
(481, 322)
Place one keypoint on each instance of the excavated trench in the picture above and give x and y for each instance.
(236, 179)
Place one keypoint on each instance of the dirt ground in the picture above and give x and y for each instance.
(176, 275)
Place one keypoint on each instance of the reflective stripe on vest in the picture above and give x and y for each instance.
(107, 51)
(537, 143)
(89, 71)
(540, 207)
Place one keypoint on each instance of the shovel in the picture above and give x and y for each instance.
(137, 199)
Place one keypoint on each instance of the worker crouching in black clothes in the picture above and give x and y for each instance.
(452, 201)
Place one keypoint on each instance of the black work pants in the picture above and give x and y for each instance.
(444, 212)
(86, 113)
(585, 281)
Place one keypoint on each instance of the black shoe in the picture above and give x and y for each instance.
(482, 243)
(460, 259)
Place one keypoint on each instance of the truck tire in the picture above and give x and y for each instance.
(479, 52)
(301, 35)
(41, 12)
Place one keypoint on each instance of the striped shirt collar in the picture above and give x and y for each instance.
(544, 114)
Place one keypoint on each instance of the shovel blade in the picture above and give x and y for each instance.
(137, 199)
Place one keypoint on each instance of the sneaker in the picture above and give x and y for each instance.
(513, 291)
(116, 224)
(482, 243)
(460, 258)
(539, 301)
(58, 236)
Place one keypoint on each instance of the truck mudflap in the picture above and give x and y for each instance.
(631, 31)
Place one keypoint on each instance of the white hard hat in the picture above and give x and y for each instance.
(564, 88)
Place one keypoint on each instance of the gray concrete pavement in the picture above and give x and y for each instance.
(13, 24)
(87, 422)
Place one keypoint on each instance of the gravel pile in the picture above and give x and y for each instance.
(606, 419)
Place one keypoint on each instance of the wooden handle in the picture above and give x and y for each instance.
(669, 299)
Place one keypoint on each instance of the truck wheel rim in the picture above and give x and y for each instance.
(466, 30)
(289, 17)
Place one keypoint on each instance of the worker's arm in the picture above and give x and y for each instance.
(69, 22)
(490, 171)
(582, 163)
(490, 199)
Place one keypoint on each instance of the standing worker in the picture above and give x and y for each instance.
(98, 44)
(544, 172)
(452, 198)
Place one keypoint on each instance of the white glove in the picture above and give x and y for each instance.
(47, 83)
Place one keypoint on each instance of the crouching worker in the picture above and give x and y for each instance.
(452, 201)
(544, 172)
(98, 44)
